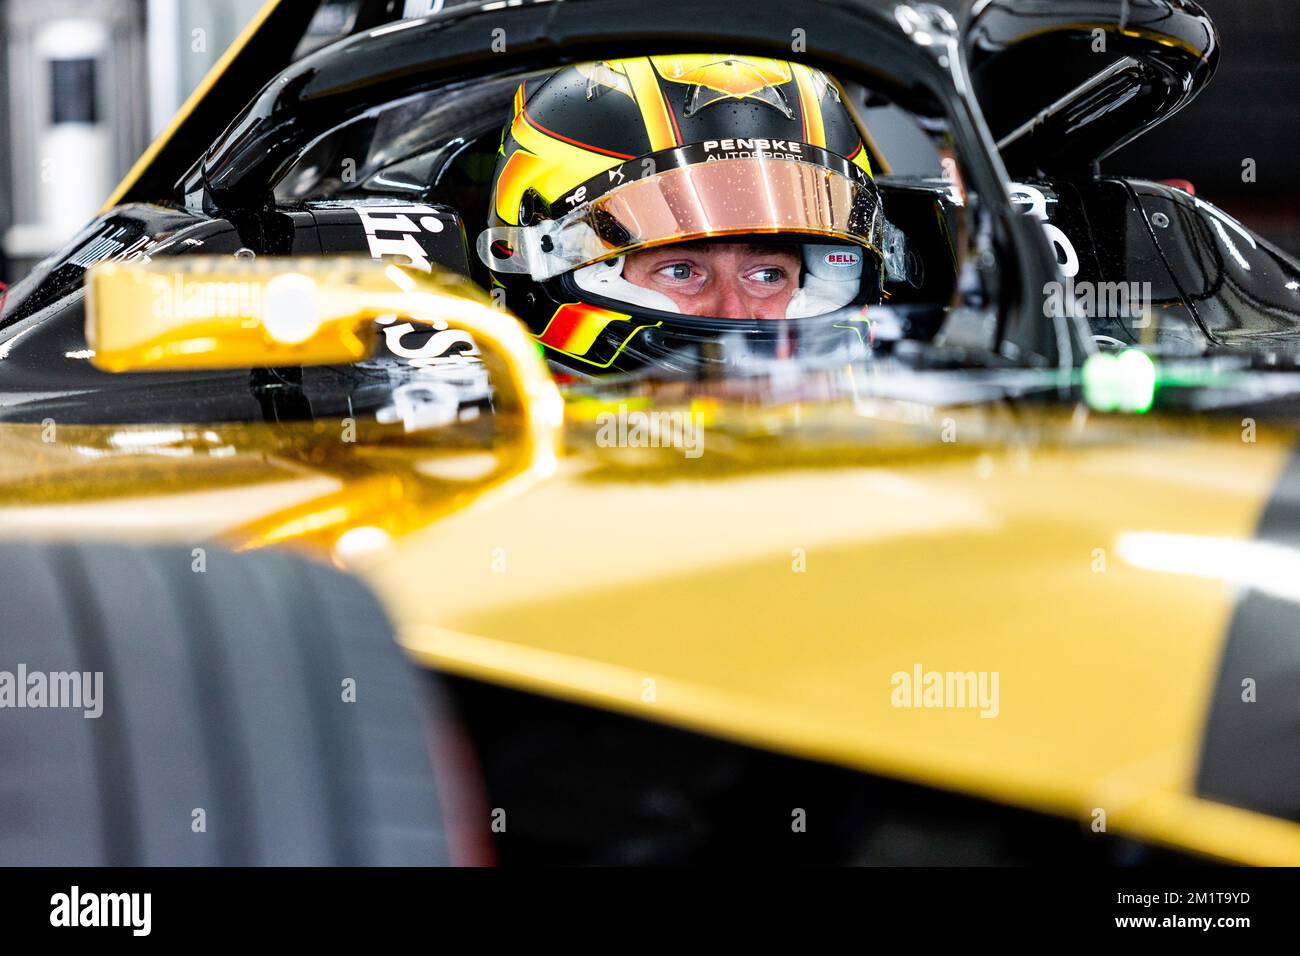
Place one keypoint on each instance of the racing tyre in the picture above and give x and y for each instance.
(253, 709)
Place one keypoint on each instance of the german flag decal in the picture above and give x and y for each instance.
(589, 332)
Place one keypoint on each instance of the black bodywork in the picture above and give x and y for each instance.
(589, 787)
(249, 191)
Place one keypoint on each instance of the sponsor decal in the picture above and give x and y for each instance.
(110, 245)
(1036, 207)
(423, 348)
(728, 145)
(716, 149)
(706, 152)
(395, 231)
(842, 260)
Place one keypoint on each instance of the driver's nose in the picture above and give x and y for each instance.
(732, 301)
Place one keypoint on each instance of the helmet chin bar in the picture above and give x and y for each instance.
(686, 347)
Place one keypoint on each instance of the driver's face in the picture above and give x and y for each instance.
(721, 280)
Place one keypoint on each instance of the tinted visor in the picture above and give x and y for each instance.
(729, 197)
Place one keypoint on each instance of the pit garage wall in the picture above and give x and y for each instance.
(147, 55)
(185, 37)
(76, 76)
(154, 54)
(6, 204)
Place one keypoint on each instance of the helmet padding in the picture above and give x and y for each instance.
(606, 279)
(832, 276)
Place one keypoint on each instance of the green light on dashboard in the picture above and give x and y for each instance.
(1124, 382)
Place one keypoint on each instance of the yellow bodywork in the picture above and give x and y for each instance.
(768, 599)
(769, 590)
(774, 572)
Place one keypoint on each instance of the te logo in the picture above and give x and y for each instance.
(842, 259)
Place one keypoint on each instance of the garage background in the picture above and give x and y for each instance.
(1250, 110)
(115, 71)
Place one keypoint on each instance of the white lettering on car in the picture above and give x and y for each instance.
(1032, 197)
(395, 230)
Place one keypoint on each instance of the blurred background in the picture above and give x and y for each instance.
(1250, 110)
(87, 84)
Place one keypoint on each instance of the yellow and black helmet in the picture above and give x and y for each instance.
(606, 160)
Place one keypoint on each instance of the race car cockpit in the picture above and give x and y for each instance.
(443, 155)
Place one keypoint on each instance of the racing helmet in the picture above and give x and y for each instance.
(605, 162)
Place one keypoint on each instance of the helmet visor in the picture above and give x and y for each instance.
(728, 197)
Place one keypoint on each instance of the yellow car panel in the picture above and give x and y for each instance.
(775, 605)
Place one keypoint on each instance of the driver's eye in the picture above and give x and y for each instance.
(678, 271)
(768, 275)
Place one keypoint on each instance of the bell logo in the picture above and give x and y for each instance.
(842, 259)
